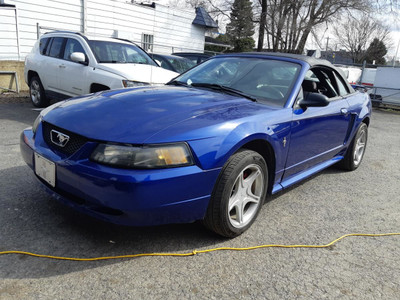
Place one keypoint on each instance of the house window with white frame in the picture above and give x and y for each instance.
(147, 42)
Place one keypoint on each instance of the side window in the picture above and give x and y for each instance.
(72, 46)
(330, 81)
(342, 88)
(43, 44)
(319, 80)
(56, 47)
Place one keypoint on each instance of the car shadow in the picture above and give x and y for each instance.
(31, 220)
(21, 112)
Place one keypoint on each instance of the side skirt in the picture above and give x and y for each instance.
(304, 174)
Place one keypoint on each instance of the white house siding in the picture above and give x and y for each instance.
(48, 13)
(172, 29)
(8, 34)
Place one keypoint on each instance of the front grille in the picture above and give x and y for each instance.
(74, 143)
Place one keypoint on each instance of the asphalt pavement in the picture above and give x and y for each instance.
(316, 211)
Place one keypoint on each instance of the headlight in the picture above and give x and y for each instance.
(149, 157)
(36, 123)
(130, 83)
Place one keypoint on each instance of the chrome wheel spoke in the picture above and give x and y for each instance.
(360, 147)
(245, 196)
(35, 92)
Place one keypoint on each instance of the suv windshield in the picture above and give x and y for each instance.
(267, 80)
(112, 52)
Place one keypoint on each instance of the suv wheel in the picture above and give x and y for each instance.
(37, 94)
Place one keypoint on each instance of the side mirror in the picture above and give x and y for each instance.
(79, 57)
(313, 100)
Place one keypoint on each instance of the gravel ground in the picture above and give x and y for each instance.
(317, 211)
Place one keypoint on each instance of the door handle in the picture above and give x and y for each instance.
(61, 66)
(344, 111)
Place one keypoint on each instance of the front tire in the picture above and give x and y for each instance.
(36, 91)
(356, 150)
(238, 195)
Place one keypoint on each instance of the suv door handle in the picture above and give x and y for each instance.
(344, 111)
(61, 66)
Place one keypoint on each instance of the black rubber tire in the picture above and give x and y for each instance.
(37, 94)
(348, 162)
(217, 216)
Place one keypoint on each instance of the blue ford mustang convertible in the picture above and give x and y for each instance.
(210, 145)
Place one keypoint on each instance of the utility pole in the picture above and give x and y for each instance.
(394, 58)
(326, 47)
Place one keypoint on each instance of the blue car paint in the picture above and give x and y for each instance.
(214, 125)
(166, 195)
(94, 116)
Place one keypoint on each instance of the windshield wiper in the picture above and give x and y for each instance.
(224, 89)
(176, 82)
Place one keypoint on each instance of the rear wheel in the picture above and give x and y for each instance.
(36, 92)
(238, 194)
(356, 150)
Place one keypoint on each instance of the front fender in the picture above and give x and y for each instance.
(215, 151)
(359, 105)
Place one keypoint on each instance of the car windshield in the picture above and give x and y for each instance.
(268, 81)
(113, 52)
(181, 64)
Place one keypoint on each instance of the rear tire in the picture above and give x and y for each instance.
(356, 150)
(37, 94)
(238, 194)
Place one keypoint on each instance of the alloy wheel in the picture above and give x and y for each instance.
(245, 197)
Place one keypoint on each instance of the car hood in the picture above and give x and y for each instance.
(136, 115)
(140, 72)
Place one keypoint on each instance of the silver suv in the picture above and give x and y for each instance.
(67, 64)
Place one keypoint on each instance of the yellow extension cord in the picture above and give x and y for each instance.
(194, 252)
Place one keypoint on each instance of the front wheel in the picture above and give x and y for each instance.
(356, 150)
(37, 94)
(238, 194)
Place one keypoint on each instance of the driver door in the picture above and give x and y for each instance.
(318, 133)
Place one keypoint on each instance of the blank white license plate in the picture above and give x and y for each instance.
(45, 169)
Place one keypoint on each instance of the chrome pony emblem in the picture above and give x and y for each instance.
(58, 138)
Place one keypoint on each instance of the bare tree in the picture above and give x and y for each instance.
(355, 33)
(289, 23)
(263, 21)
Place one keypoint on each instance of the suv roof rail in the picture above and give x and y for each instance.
(126, 40)
(67, 31)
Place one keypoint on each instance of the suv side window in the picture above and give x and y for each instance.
(56, 47)
(43, 44)
(72, 46)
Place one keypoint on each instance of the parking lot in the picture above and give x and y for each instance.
(317, 211)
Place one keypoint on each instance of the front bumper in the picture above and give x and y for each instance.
(127, 197)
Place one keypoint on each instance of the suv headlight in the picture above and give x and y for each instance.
(130, 83)
(148, 157)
